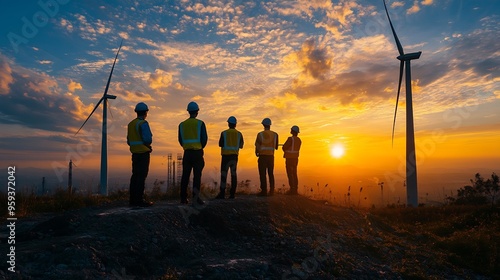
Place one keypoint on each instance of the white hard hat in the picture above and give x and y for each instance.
(295, 128)
(193, 106)
(266, 121)
(231, 120)
(141, 107)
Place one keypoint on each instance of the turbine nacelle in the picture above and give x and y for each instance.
(109, 96)
(409, 56)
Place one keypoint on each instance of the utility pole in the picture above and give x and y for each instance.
(70, 177)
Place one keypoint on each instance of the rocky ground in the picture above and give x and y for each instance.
(250, 237)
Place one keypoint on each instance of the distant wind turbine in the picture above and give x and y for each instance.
(411, 165)
(103, 186)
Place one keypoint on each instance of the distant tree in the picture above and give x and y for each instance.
(480, 191)
(492, 187)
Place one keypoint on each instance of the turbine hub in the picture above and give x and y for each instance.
(409, 56)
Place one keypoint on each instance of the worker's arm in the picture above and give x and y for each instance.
(179, 138)
(146, 134)
(241, 140)
(204, 135)
(221, 139)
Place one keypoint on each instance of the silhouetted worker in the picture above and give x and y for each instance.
(230, 141)
(291, 155)
(139, 138)
(193, 138)
(265, 144)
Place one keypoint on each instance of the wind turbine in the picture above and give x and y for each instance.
(103, 185)
(411, 165)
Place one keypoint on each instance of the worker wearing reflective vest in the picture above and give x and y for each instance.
(265, 144)
(192, 135)
(291, 154)
(139, 139)
(230, 141)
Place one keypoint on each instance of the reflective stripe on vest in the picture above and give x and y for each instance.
(190, 131)
(292, 150)
(267, 145)
(233, 147)
(135, 137)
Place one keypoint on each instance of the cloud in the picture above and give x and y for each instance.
(313, 61)
(416, 6)
(73, 86)
(66, 24)
(5, 76)
(89, 29)
(35, 100)
(43, 62)
(160, 79)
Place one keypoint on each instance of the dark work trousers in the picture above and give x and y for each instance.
(192, 160)
(291, 172)
(266, 163)
(228, 162)
(140, 169)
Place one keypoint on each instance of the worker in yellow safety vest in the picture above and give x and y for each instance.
(291, 154)
(192, 136)
(230, 141)
(265, 144)
(139, 139)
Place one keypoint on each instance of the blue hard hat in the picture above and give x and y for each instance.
(141, 107)
(193, 106)
(266, 121)
(231, 120)
(295, 128)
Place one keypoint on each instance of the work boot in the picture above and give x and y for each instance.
(184, 201)
(145, 203)
(271, 192)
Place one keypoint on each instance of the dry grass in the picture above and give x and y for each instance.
(470, 234)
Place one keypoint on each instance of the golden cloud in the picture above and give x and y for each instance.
(73, 86)
(5, 77)
(313, 61)
(160, 79)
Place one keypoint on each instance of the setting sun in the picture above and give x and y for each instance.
(337, 150)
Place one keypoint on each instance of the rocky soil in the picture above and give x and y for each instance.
(250, 237)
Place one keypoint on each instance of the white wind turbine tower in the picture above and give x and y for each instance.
(411, 165)
(103, 185)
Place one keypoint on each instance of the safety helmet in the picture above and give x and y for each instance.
(266, 121)
(295, 128)
(231, 120)
(141, 107)
(193, 106)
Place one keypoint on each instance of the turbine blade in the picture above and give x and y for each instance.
(398, 44)
(97, 105)
(401, 69)
(112, 68)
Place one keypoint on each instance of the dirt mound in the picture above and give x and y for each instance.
(250, 237)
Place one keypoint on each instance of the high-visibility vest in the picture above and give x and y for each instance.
(190, 131)
(232, 138)
(134, 137)
(293, 150)
(267, 142)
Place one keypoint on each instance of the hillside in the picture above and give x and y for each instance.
(279, 237)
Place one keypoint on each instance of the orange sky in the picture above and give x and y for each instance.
(329, 67)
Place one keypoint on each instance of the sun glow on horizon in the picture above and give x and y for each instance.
(337, 150)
